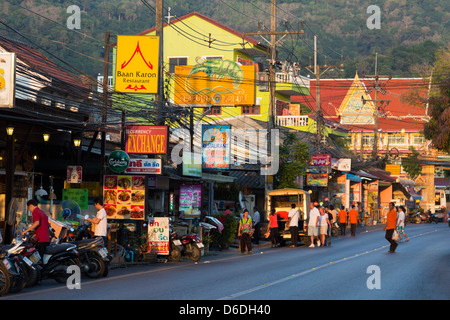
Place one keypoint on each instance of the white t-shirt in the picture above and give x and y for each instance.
(313, 214)
(101, 227)
(294, 220)
(401, 219)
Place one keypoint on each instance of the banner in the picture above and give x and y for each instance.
(216, 146)
(137, 64)
(317, 179)
(124, 197)
(191, 200)
(146, 139)
(158, 235)
(215, 82)
(144, 166)
(7, 79)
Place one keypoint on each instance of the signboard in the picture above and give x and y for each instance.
(320, 160)
(137, 64)
(145, 166)
(215, 82)
(191, 200)
(192, 164)
(317, 179)
(146, 139)
(216, 146)
(118, 161)
(74, 174)
(124, 197)
(7, 79)
(80, 196)
(158, 235)
(394, 169)
(341, 164)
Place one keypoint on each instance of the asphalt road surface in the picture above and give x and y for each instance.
(357, 268)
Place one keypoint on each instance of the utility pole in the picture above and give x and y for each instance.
(378, 87)
(105, 106)
(159, 97)
(272, 81)
(317, 73)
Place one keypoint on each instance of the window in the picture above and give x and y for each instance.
(250, 110)
(368, 140)
(215, 111)
(419, 140)
(396, 139)
(176, 62)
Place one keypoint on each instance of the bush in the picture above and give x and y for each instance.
(224, 239)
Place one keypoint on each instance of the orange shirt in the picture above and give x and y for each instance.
(342, 216)
(391, 219)
(353, 215)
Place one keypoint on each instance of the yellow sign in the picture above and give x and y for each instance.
(7, 79)
(137, 64)
(394, 169)
(215, 82)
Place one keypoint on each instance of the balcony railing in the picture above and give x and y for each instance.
(292, 121)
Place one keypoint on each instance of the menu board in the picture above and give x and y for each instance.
(190, 200)
(124, 197)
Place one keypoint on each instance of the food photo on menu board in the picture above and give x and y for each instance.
(124, 197)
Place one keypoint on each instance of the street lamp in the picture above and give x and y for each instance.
(77, 142)
(10, 130)
(46, 137)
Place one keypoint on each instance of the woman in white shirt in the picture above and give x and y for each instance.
(401, 223)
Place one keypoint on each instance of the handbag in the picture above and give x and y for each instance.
(395, 235)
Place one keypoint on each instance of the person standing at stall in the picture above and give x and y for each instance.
(245, 232)
(100, 221)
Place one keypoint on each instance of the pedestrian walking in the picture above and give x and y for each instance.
(324, 224)
(401, 224)
(343, 220)
(353, 216)
(273, 227)
(313, 223)
(256, 220)
(389, 227)
(245, 233)
(293, 216)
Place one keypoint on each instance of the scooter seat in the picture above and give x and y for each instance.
(57, 248)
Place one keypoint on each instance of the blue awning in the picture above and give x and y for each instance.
(352, 177)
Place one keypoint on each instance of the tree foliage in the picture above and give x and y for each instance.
(294, 157)
(411, 164)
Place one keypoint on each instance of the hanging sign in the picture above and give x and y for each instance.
(137, 64)
(7, 79)
(118, 161)
(158, 235)
(146, 139)
(216, 146)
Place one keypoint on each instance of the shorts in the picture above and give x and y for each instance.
(400, 230)
(313, 231)
(324, 229)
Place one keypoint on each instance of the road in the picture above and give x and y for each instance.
(358, 268)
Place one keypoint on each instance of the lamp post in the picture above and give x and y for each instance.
(9, 180)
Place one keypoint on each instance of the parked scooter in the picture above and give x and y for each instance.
(415, 217)
(4, 276)
(15, 266)
(93, 254)
(188, 246)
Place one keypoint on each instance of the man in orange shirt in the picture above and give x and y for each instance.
(391, 223)
(353, 217)
(342, 220)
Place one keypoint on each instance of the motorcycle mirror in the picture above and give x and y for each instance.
(86, 216)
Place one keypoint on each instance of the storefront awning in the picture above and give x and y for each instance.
(209, 177)
(353, 177)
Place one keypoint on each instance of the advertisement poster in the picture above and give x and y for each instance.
(146, 139)
(191, 200)
(216, 146)
(320, 160)
(80, 196)
(74, 174)
(7, 79)
(124, 197)
(215, 82)
(317, 179)
(158, 235)
(137, 64)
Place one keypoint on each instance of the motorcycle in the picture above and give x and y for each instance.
(4, 276)
(188, 246)
(15, 265)
(415, 217)
(27, 256)
(432, 218)
(93, 254)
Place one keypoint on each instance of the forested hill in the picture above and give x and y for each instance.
(410, 30)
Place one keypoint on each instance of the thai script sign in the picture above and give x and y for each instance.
(320, 160)
(216, 146)
(158, 235)
(216, 82)
(191, 200)
(146, 139)
(317, 179)
(149, 166)
(137, 64)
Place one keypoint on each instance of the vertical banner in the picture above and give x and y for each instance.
(191, 200)
(137, 64)
(216, 146)
(158, 235)
(7, 79)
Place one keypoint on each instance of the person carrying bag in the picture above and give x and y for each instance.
(245, 233)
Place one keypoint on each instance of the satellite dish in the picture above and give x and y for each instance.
(69, 210)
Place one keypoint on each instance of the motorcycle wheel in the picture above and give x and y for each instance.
(175, 254)
(61, 277)
(334, 231)
(96, 266)
(34, 276)
(4, 280)
(18, 281)
(196, 254)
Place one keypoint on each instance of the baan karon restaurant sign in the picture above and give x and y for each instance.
(146, 139)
